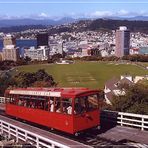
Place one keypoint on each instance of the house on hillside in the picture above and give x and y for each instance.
(138, 78)
(112, 87)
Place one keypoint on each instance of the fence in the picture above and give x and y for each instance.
(2, 100)
(26, 136)
(126, 119)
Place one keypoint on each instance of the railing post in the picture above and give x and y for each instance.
(2, 100)
(53, 146)
(16, 135)
(121, 119)
(2, 127)
(9, 131)
(25, 136)
(37, 142)
(142, 126)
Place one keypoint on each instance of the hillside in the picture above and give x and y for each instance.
(134, 26)
(74, 25)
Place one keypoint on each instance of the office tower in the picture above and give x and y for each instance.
(122, 41)
(9, 40)
(42, 39)
(10, 51)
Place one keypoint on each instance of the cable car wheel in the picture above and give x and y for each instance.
(77, 134)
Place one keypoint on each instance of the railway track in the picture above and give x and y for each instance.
(89, 137)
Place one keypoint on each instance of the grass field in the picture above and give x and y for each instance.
(85, 74)
(145, 64)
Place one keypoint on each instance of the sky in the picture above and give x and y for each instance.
(55, 9)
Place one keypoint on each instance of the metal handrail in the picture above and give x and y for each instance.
(126, 119)
(27, 136)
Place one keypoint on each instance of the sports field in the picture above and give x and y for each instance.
(145, 64)
(85, 74)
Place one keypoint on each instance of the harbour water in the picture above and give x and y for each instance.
(21, 44)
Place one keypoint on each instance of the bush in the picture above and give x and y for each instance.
(135, 100)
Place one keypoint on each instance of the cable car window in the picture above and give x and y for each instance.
(51, 104)
(24, 97)
(57, 105)
(93, 102)
(12, 99)
(20, 102)
(7, 98)
(67, 105)
(86, 103)
(41, 102)
(47, 104)
(31, 101)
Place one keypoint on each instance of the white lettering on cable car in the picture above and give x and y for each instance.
(36, 93)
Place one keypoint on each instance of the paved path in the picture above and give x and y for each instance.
(120, 133)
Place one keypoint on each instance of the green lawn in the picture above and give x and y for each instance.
(144, 63)
(85, 74)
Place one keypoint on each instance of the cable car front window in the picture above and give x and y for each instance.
(86, 103)
(93, 102)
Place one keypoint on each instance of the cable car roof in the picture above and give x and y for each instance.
(53, 92)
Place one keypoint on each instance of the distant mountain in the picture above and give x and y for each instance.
(139, 18)
(112, 24)
(66, 20)
(139, 23)
(45, 22)
(136, 18)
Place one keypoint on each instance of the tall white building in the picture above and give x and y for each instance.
(10, 51)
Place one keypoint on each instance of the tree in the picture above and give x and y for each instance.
(7, 64)
(56, 57)
(41, 75)
(135, 100)
(33, 79)
(27, 59)
(24, 61)
(136, 58)
(6, 81)
(41, 84)
(24, 79)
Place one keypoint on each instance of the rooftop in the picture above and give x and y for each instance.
(57, 91)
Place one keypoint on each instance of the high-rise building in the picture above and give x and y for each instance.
(10, 51)
(9, 40)
(42, 39)
(122, 41)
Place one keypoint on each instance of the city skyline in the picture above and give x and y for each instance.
(46, 9)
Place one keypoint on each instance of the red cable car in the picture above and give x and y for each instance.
(67, 109)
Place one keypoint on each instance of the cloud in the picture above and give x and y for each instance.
(95, 14)
(101, 14)
(123, 13)
(120, 13)
(3, 17)
(43, 15)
